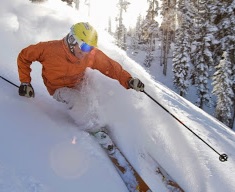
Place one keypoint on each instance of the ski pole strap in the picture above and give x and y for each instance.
(8, 81)
(222, 157)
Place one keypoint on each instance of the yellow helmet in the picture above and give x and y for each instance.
(86, 33)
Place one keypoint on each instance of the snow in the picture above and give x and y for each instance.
(44, 147)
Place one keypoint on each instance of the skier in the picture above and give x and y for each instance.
(64, 63)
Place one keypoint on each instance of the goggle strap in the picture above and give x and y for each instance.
(70, 45)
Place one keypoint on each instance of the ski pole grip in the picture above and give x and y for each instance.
(223, 157)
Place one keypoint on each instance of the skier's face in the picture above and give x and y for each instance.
(79, 53)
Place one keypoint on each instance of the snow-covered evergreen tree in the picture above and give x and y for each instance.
(149, 56)
(223, 89)
(138, 27)
(110, 26)
(222, 22)
(227, 29)
(168, 11)
(135, 35)
(121, 31)
(201, 69)
(225, 22)
(203, 60)
(148, 31)
(181, 54)
(69, 2)
(77, 4)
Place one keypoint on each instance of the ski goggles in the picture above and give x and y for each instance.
(84, 46)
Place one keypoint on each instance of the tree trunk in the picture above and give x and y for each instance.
(165, 53)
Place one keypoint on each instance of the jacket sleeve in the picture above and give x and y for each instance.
(26, 57)
(111, 68)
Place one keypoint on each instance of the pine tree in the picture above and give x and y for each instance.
(149, 56)
(167, 30)
(135, 35)
(69, 2)
(225, 22)
(203, 57)
(134, 40)
(121, 31)
(227, 29)
(149, 30)
(202, 68)
(77, 4)
(223, 85)
(217, 12)
(231, 35)
(110, 26)
(181, 54)
(138, 27)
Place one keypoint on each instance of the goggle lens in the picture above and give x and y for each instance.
(85, 47)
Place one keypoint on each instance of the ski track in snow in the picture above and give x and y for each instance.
(15, 181)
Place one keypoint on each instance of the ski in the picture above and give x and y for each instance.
(159, 171)
(129, 175)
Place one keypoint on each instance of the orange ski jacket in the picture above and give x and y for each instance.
(60, 68)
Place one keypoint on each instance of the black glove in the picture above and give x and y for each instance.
(26, 90)
(136, 84)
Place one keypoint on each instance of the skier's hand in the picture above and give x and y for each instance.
(26, 90)
(136, 84)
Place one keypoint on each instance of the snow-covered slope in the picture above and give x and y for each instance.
(43, 146)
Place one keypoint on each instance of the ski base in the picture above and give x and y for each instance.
(159, 171)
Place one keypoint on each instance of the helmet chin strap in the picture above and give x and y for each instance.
(71, 42)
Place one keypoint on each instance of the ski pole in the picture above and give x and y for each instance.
(9, 81)
(222, 157)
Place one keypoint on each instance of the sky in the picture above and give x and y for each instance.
(101, 11)
(44, 146)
